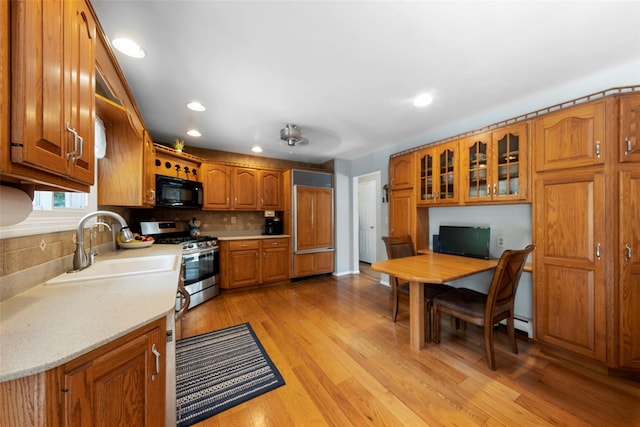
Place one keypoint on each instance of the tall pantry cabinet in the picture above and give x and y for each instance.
(585, 212)
(628, 236)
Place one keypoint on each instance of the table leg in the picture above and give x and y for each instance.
(416, 314)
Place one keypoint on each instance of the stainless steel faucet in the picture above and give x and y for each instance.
(92, 252)
(80, 261)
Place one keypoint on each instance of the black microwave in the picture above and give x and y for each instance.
(177, 192)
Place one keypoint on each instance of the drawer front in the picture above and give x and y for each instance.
(239, 245)
(274, 243)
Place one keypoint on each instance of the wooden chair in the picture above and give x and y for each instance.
(486, 310)
(400, 247)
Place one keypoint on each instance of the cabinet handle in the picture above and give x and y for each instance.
(629, 147)
(488, 189)
(75, 141)
(598, 149)
(629, 254)
(75, 158)
(495, 191)
(156, 353)
(598, 250)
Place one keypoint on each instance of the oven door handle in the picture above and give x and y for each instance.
(185, 300)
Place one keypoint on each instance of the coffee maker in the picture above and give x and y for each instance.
(272, 225)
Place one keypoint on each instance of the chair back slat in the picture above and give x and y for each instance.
(399, 246)
(506, 278)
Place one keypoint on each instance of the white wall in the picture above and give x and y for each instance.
(513, 222)
(624, 75)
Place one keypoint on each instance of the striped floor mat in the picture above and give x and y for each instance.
(221, 369)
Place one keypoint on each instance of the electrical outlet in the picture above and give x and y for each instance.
(501, 241)
(233, 220)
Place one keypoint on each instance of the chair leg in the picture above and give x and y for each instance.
(436, 323)
(511, 331)
(428, 322)
(395, 301)
(488, 345)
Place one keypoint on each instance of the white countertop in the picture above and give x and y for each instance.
(49, 325)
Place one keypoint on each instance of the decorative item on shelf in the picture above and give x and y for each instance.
(194, 227)
(178, 144)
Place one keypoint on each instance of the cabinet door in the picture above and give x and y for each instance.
(426, 186)
(314, 218)
(244, 267)
(629, 267)
(630, 129)
(475, 154)
(446, 173)
(53, 43)
(149, 176)
(401, 171)
(402, 213)
(216, 186)
(275, 259)
(570, 138)
(270, 190)
(79, 70)
(245, 188)
(570, 283)
(509, 163)
(119, 386)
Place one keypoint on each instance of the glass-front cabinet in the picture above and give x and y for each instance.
(495, 165)
(438, 175)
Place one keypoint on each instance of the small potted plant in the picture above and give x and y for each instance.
(178, 144)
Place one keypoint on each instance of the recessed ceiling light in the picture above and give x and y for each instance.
(423, 100)
(256, 149)
(128, 47)
(196, 106)
(193, 132)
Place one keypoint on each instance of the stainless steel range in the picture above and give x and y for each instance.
(200, 276)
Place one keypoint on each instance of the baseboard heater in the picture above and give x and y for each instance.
(522, 324)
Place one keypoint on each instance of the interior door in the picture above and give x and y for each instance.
(367, 220)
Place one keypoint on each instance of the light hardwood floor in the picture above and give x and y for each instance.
(346, 364)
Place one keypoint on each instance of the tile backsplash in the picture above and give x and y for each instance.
(30, 260)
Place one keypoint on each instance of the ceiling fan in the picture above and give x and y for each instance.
(292, 135)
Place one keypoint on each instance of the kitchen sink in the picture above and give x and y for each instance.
(120, 267)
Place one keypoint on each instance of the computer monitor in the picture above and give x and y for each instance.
(467, 241)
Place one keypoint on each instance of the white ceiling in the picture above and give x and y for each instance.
(346, 71)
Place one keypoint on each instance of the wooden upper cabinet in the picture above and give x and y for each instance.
(244, 184)
(437, 182)
(53, 86)
(216, 182)
(401, 171)
(402, 213)
(270, 190)
(572, 137)
(629, 141)
(148, 172)
(495, 165)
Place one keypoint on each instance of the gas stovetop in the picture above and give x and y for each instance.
(176, 233)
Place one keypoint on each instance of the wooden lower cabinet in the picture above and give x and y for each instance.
(313, 263)
(119, 384)
(252, 262)
(571, 247)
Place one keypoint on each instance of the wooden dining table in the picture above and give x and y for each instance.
(430, 267)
